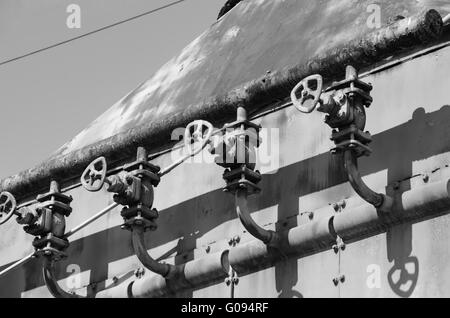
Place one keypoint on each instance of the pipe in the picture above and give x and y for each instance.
(90, 220)
(48, 268)
(247, 221)
(195, 274)
(16, 264)
(165, 270)
(446, 19)
(360, 52)
(351, 225)
(424, 202)
(300, 240)
(378, 200)
(48, 271)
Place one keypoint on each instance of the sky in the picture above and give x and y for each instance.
(49, 97)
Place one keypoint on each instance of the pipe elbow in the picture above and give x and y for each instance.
(380, 201)
(165, 270)
(48, 271)
(266, 236)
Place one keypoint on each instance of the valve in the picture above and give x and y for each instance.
(310, 90)
(47, 223)
(134, 190)
(344, 104)
(8, 206)
(236, 152)
(94, 175)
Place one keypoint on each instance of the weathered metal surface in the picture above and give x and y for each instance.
(189, 87)
(308, 178)
(408, 110)
(421, 203)
(196, 274)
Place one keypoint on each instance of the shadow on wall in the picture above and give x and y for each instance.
(420, 138)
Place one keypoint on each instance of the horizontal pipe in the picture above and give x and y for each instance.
(418, 203)
(300, 240)
(361, 52)
(194, 274)
(350, 225)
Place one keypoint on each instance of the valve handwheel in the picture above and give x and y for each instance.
(197, 131)
(8, 206)
(309, 90)
(94, 175)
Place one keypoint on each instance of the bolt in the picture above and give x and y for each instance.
(426, 178)
(335, 281)
(208, 249)
(342, 278)
(115, 280)
(237, 239)
(342, 246)
(236, 280)
(228, 281)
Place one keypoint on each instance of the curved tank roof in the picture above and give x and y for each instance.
(255, 37)
(251, 57)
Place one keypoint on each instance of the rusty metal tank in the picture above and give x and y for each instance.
(334, 242)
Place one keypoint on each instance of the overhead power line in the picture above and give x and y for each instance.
(92, 32)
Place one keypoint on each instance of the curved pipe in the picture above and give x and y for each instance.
(378, 200)
(48, 271)
(250, 225)
(165, 270)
